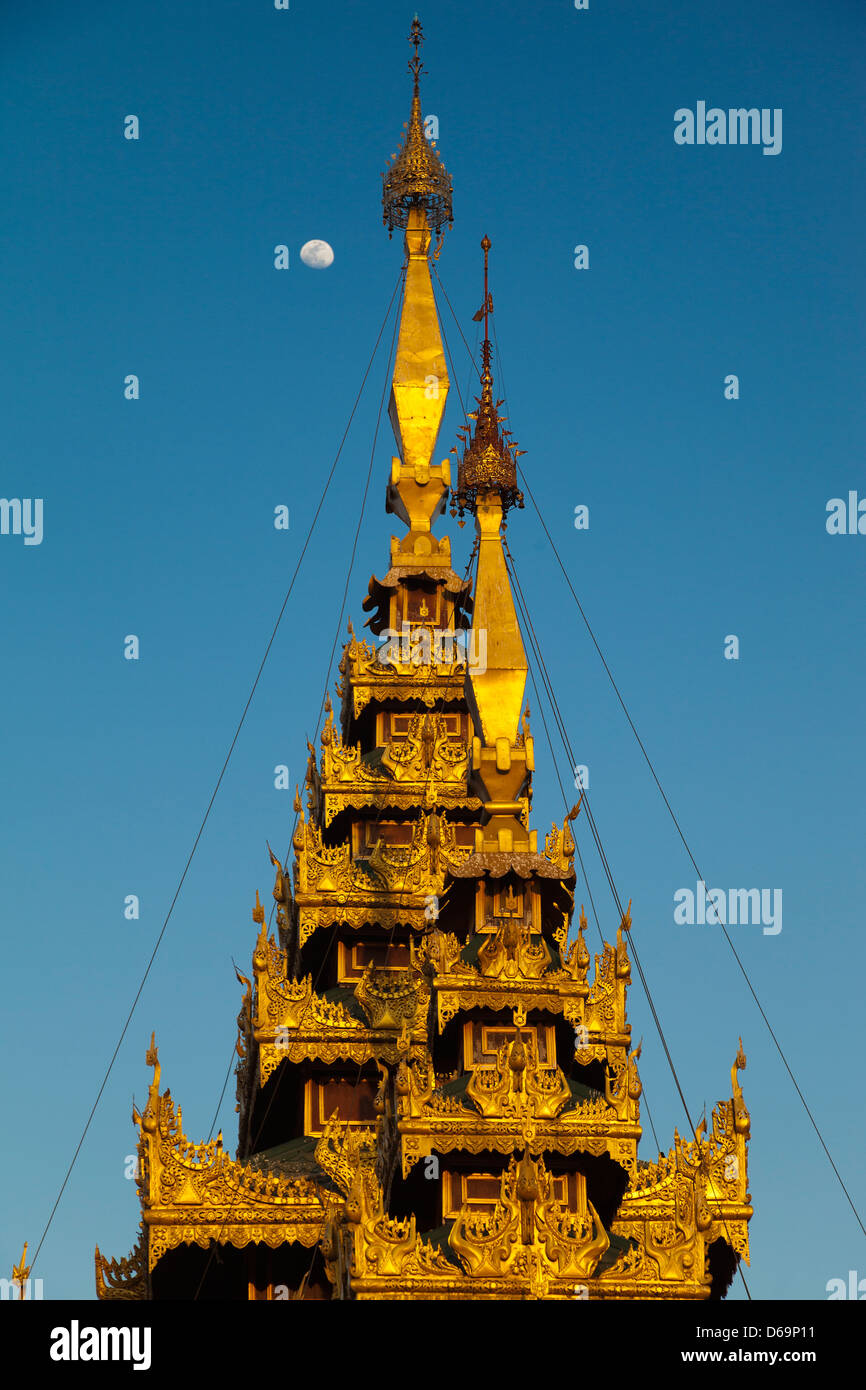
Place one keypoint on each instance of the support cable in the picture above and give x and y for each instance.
(694, 864)
(537, 656)
(261, 1126)
(632, 942)
(216, 787)
(555, 711)
(380, 809)
(677, 825)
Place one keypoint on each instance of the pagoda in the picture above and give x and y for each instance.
(437, 1090)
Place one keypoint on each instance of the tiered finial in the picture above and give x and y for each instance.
(489, 462)
(417, 177)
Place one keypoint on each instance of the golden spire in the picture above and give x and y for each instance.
(489, 460)
(487, 486)
(417, 490)
(417, 177)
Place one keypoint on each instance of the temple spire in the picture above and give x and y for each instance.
(417, 177)
(487, 487)
(417, 196)
(489, 462)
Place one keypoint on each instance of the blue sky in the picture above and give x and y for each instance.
(707, 518)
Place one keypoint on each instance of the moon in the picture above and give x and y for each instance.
(318, 255)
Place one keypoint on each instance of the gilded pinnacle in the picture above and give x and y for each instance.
(417, 178)
(489, 462)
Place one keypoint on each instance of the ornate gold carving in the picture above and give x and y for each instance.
(529, 1234)
(404, 774)
(506, 954)
(417, 178)
(517, 1085)
(124, 1279)
(514, 952)
(194, 1193)
(431, 683)
(21, 1272)
(624, 1090)
(392, 998)
(742, 1123)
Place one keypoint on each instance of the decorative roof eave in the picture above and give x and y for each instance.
(498, 863)
(388, 872)
(553, 994)
(365, 679)
(434, 686)
(389, 998)
(357, 914)
(237, 1227)
(380, 592)
(379, 589)
(212, 1197)
(451, 1134)
(360, 662)
(388, 797)
(123, 1280)
(322, 1046)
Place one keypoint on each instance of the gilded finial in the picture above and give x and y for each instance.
(742, 1123)
(582, 953)
(740, 1062)
(258, 911)
(417, 177)
(20, 1272)
(489, 462)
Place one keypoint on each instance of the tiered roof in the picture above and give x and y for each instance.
(436, 1099)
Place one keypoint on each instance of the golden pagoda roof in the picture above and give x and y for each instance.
(423, 974)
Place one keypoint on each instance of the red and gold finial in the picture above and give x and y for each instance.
(489, 462)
